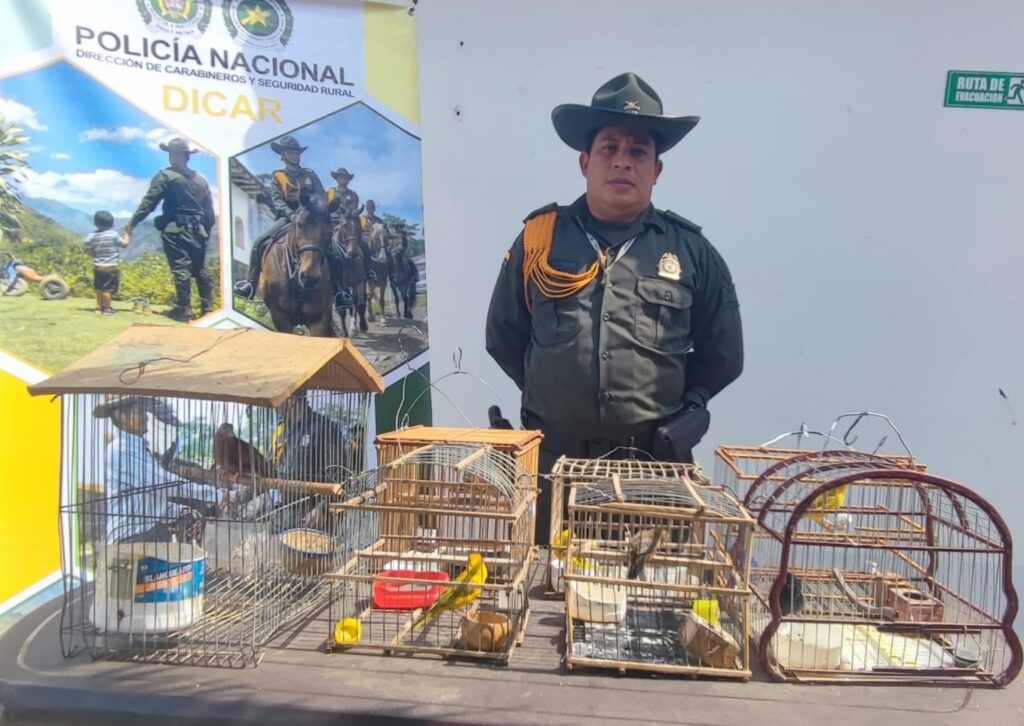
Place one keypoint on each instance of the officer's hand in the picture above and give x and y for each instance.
(127, 231)
(694, 399)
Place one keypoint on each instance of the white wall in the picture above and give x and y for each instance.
(875, 237)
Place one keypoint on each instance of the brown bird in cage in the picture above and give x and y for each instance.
(234, 456)
(641, 546)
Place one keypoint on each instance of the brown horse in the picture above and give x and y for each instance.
(377, 242)
(295, 280)
(353, 273)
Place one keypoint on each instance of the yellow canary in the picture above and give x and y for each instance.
(830, 501)
(458, 595)
(559, 548)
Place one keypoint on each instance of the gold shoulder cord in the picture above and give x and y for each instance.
(552, 283)
(290, 188)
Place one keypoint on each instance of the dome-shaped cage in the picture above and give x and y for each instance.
(423, 516)
(651, 578)
(866, 570)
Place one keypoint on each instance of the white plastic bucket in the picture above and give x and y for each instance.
(148, 587)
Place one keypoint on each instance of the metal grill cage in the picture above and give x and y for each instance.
(426, 513)
(193, 530)
(865, 570)
(652, 580)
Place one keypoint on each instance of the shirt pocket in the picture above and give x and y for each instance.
(662, 319)
(556, 321)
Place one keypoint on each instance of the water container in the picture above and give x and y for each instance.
(148, 587)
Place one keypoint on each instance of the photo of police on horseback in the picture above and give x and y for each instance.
(324, 259)
(185, 224)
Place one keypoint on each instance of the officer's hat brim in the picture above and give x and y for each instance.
(574, 124)
(277, 148)
(189, 149)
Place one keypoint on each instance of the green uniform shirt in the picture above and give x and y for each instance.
(184, 194)
(621, 354)
(286, 200)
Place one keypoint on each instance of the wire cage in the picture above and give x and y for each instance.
(567, 471)
(863, 570)
(652, 578)
(450, 533)
(194, 506)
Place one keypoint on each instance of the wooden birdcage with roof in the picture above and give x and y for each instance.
(433, 515)
(654, 578)
(197, 465)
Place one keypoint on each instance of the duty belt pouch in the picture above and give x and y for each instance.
(674, 440)
(160, 222)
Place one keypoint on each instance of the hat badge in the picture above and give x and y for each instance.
(631, 107)
(669, 267)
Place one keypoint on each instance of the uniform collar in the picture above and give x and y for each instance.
(649, 216)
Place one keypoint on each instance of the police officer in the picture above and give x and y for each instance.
(285, 191)
(185, 225)
(612, 317)
(345, 202)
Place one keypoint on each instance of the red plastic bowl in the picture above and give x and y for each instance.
(406, 595)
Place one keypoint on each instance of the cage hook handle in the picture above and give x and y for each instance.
(860, 416)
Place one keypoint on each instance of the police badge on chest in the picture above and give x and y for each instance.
(669, 267)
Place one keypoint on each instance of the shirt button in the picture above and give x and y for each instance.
(668, 296)
(604, 355)
(605, 395)
(606, 317)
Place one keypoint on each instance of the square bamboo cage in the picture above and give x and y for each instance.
(651, 579)
(193, 523)
(427, 513)
(523, 446)
(738, 467)
(567, 471)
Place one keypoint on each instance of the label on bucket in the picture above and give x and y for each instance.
(161, 581)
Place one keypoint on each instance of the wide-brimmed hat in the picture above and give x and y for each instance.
(178, 144)
(156, 406)
(626, 100)
(342, 173)
(287, 143)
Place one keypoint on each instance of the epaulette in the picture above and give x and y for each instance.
(693, 227)
(543, 210)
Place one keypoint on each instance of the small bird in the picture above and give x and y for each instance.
(496, 420)
(460, 594)
(830, 501)
(641, 547)
(233, 456)
(791, 598)
(561, 545)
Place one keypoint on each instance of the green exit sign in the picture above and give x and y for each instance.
(984, 89)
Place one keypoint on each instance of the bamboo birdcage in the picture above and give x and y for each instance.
(867, 571)
(685, 610)
(737, 467)
(184, 540)
(567, 471)
(426, 512)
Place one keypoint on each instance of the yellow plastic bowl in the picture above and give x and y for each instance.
(348, 631)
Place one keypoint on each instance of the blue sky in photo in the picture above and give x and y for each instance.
(90, 149)
(384, 158)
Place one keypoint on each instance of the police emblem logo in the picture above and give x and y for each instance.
(631, 107)
(669, 267)
(180, 17)
(264, 23)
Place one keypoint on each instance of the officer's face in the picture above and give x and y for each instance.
(291, 156)
(178, 158)
(621, 169)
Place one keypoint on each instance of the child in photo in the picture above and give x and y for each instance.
(104, 246)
